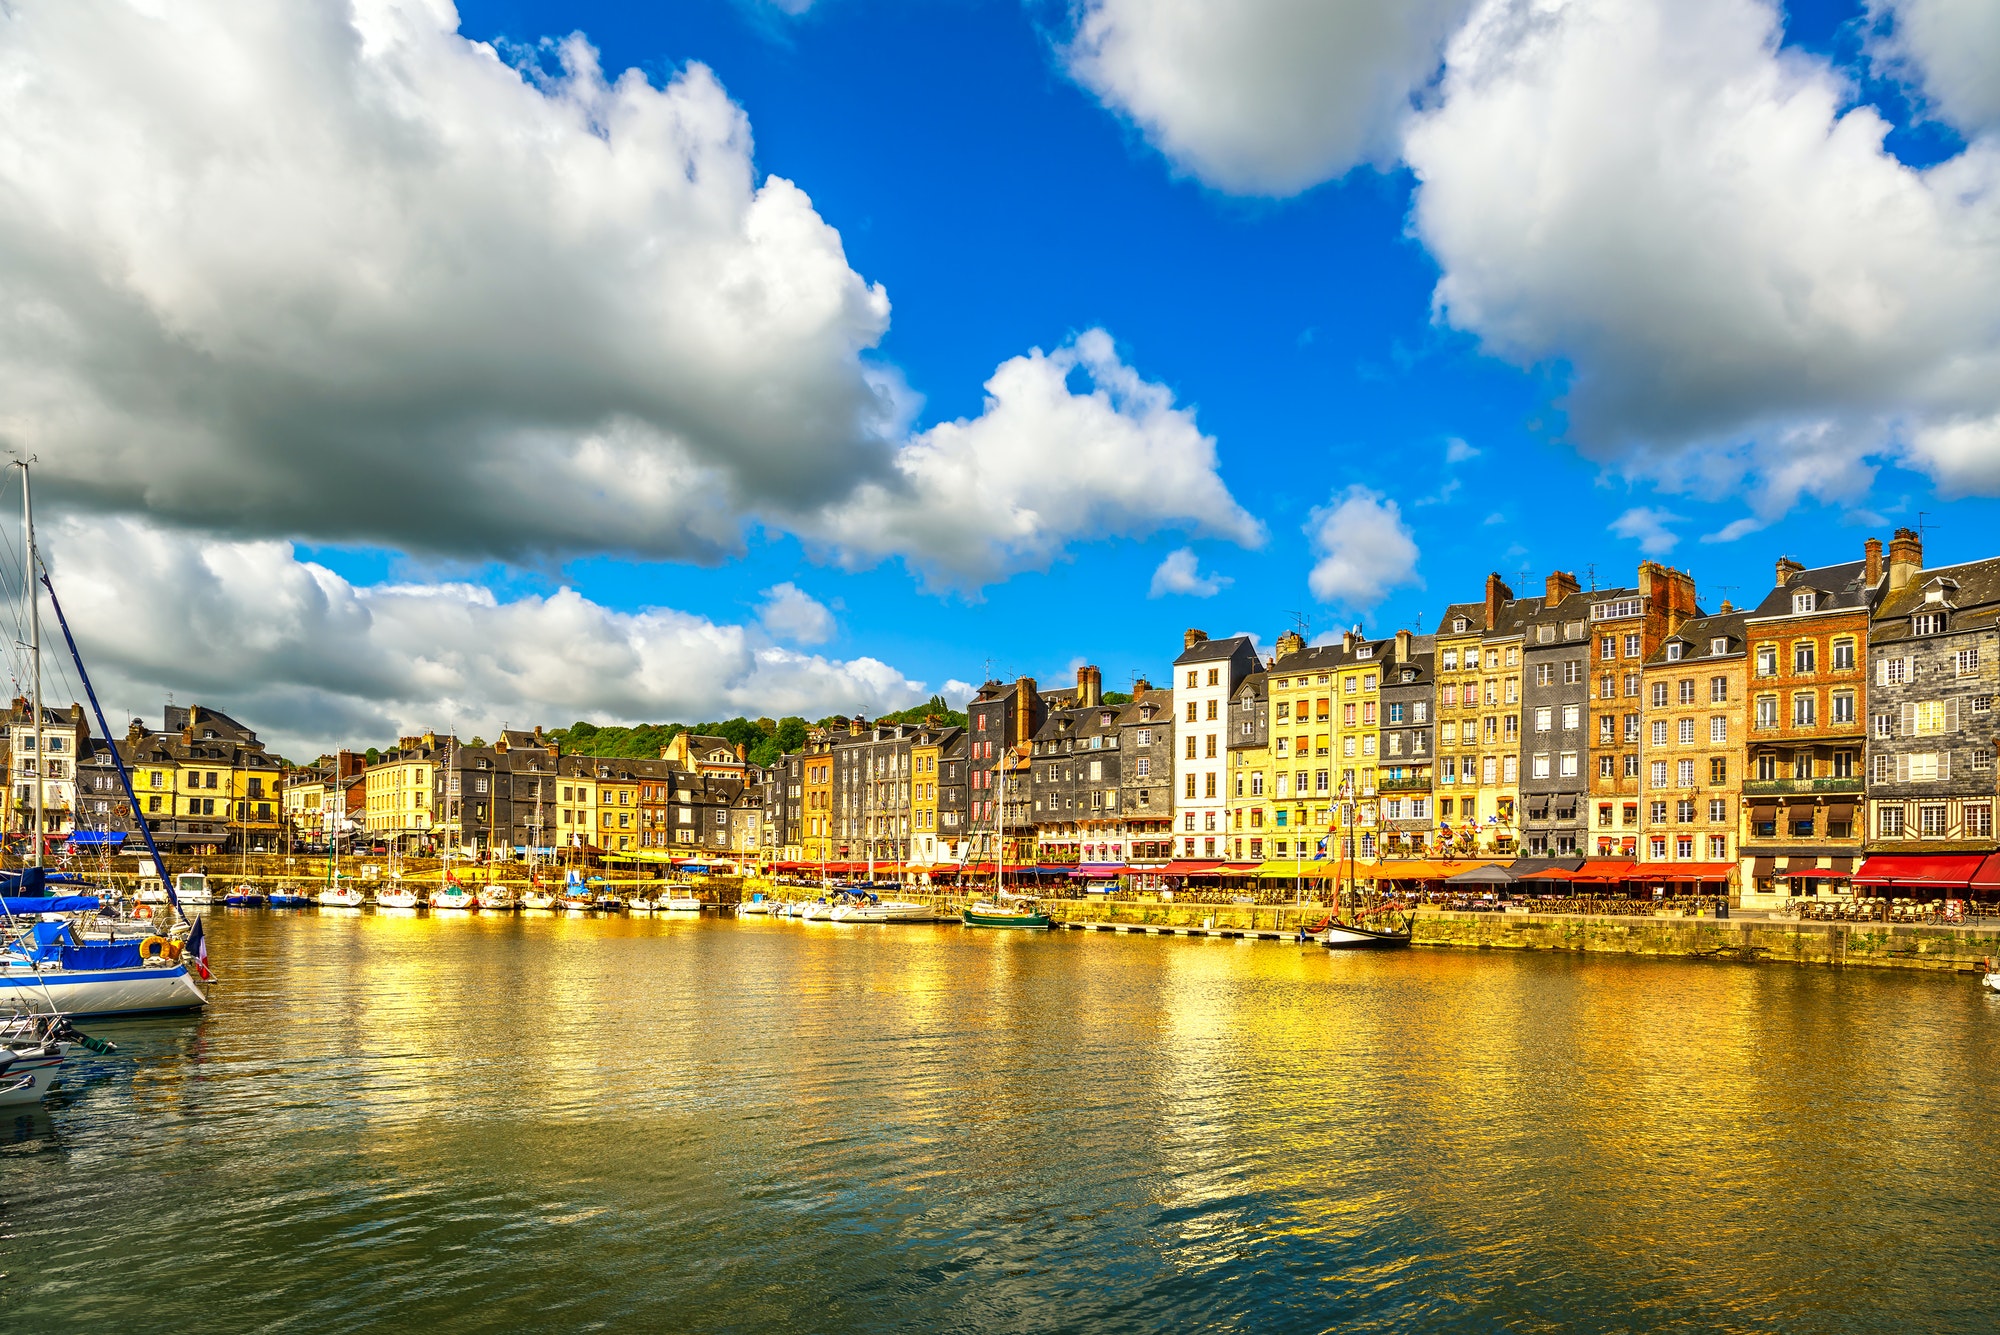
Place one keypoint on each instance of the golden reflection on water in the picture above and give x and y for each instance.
(812, 1125)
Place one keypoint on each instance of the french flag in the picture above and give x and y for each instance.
(197, 950)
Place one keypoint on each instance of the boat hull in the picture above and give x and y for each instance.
(988, 918)
(1345, 936)
(25, 1080)
(162, 990)
(678, 905)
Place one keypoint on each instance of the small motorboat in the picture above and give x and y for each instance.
(453, 897)
(640, 903)
(32, 1049)
(396, 895)
(1990, 980)
(340, 897)
(606, 902)
(756, 904)
(678, 901)
(288, 899)
(1006, 910)
(496, 897)
(190, 887)
(245, 897)
(538, 898)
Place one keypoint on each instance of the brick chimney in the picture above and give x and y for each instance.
(1787, 568)
(1089, 687)
(1024, 707)
(1190, 638)
(1873, 565)
(742, 752)
(854, 726)
(1140, 686)
(1289, 643)
(1906, 559)
(1405, 645)
(1561, 585)
(1348, 638)
(1497, 593)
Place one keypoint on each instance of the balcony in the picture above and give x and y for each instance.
(1802, 787)
(1388, 785)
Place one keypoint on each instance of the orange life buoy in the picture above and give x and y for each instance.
(145, 911)
(153, 948)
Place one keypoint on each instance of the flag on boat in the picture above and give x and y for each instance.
(197, 950)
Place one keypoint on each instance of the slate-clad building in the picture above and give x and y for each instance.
(1403, 780)
(1001, 720)
(1146, 786)
(1075, 773)
(1934, 666)
(1555, 703)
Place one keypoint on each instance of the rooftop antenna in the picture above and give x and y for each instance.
(1725, 590)
(1923, 529)
(1302, 623)
(1590, 573)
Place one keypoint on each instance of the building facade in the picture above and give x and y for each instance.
(1693, 698)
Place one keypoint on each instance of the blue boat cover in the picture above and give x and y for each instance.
(115, 838)
(102, 955)
(34, 880)
(15, 905)
(43, 942)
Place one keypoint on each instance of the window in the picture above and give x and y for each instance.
(1607, 767)
(1805, 709)
(1215, 676)
(1921, 768)
(1659, 732)
(1624, 607)
(1544, 719)
(1843, 655)
(1656, 813)
(1802, 601)
(1659, 774)
(1674, 652)
(1573, 672)
(1718, 810)
(1395, 713)
(1928, 623)
(1979, 819)
(1631, 646)
(1572, 716)
(1659, 849)
(1684, 778)
(1767, 660)
(1686, 731)
(1420, 712)
(1607, 728)
(1843, 706)
(1894, 671)
(1607, 647)
(1804, 654)
(1889, 822)
(1719, 645)
(1767, 711)
(1567, 766)
(1718, 771)
(1631, 727)
(1932, 820)
(1966, 662)
(1631, 767)
(1767, 767)
(1538, 766)
(1718, 728)
(1632, 686)
(1659, 695)
(1982, 760)
(1211, 710)
(1545, 673)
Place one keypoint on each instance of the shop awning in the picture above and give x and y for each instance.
(1681, 871)
(1924, 871)
(97, 838)
(1988, 875)
(1284, 869)
(1810, 874)
(1097, 870)
(1187, 868)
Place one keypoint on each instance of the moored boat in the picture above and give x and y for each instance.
(754, 905)
(640, 903)
(678, 901)
(496, 897)
(340, 897)
(287, 899)
(1005, 910)
(31, 1053)
(1337, 935)
(245, 897)
(396, 895)
(47, 968)
(453, 897)
(538, 898)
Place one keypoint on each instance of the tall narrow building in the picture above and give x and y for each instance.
(1206, 676)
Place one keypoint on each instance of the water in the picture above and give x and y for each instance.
(561, 1123)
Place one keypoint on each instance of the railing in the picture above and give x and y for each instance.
(1774, 787)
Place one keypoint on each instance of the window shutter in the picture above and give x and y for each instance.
(1910, 669)
(1882, 672)
(1903, 768)
(1907, 726)
(1944, 764)
(1951, 715)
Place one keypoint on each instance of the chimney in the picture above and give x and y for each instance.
(1561, 585)
(1787, 568)
(742, 751)
(1024, 707)
(1727, 607)
(1190, 638)
(854, 727)
(1405, 645)
(1089, 691)
(1906, 559)
(1291, 642)
(1874, 562)
(1497, 593)
(1140, 686)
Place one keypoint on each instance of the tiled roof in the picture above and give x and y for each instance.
(1697, 635)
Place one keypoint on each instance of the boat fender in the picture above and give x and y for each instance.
(152, 949)
(173, 952)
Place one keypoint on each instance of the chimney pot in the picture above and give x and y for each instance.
(1561, 585)
(1405, 643)
(1497, 593)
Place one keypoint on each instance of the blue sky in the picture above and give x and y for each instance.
(1007, 198)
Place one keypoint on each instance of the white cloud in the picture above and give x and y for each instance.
(1181, 573)
(1363, 550)
(1041, 466)
(1457, 451)
(1753, 296)
(790, 613)
(1951, 50)
(1262, 97)
(333, 270)
(313, 661)
(1647, 526)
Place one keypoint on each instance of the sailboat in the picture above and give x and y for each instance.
(1354, 934)
(1004, 909)
(48, 967)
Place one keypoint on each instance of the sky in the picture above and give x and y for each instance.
(391, 366)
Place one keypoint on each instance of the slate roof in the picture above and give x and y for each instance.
(1971, 594)
(1696, 636)
(1843, 586)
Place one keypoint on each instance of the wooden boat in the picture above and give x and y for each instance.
(538, 898)
(1337, 935)
(1005, 911)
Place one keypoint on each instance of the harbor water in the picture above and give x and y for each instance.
(530, 1122)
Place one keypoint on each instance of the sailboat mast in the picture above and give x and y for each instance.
(1000, 820)
(35, 649)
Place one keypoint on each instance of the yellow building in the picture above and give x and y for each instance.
(398, 804)
(925, 753)
(575, 822)
(1695, 733)
(1478, 774)
(1300, 689)
(817, 843)
(1249, 779)
(617, 796)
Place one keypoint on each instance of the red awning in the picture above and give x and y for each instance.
(1949, 871)
(1594, 871)
(1240, 868)
(1681, 871)
(1191, 869)
(1988, 875)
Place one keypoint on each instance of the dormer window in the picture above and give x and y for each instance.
(1719, 645)
(1674, 651)
(1458, 625)
(1409, 674)
(1365, 651)
(1934, 594)
(1929, 623)
(1803, 601)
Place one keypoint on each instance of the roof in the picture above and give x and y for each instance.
(1968, 589)
(1844, 586)
(1697, 635)
(1209, 651)
(1474, 614)
(1253, 686)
